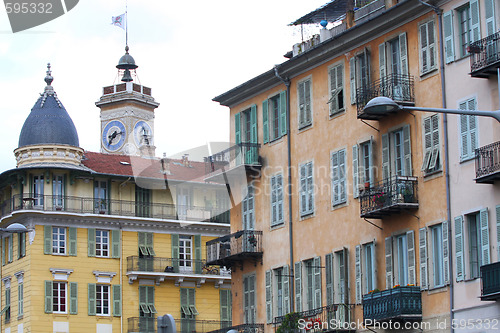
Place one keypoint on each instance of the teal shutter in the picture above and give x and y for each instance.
(422, 244)
(446, 254)
(22, 245)
(459, 248)
(115, 244)
(48, 296)
(388, 263)
(497, 208)
(449, 46)
(150, 243)
(407, 150)
(175, 251)
(355, 171)
(386, 172)
(269, 297)
(11, 247)
(403, 59)
(475, 20)
(357, 274)
(197, 254)
(485, 237)
(225, 307)
(286, 289)
(47, 239)
(3, 250)
(73, 297)
(317, 282)
(91, 242)
(237, 128)
(381, 62)
(352, 72)
(72, 238)
(20, 298)
(489, 9)
(298, 286)
(117, 300)
(283, 112)
(265, 120)
(91, 299)
(329, 278)
(141, 240)
(253, 124)
(410, 240)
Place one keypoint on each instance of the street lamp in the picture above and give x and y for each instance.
(381, 105)
(15, 228)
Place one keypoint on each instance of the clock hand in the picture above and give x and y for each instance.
(112, 137)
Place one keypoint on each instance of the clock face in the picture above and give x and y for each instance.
(143, 134)
(113, 135)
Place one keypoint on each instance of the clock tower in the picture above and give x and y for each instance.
(127, 114)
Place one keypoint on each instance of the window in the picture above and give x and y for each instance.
(58, 190)
(277, 200)
(396, 153)
(147, 301)
(359, 67)
(277, 292)
(7, 304)
(246, 136)
(313, 283)
(469, 135)
(185, 253)
(464, 29)
(400, 260)
(368, 266)
(102, 243)
(437, 254)
(38, 190)
(336, 101)
(306, 189)
(304, 99)
(278, 273)
(59, 299)
(427, 47)
(225, 308)
(146, 244)
(102, 300)
(20, 300)
(249, 305)
(58, 240)
(248, 209)
(7, 249)
(101, 196)
(432, 147)
(184, 199)
(21, 245)
(142, 201)
(274, 117)
(188, 310)
(339, 193)
(475, 244)
(362, 164)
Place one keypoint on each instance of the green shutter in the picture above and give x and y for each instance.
(269, 299)
(253, 124)
(352, 75)
(115, 244)
(286, 289)
(489, 10)
(91, 242)
(357, 274)
(265, 121)
(20, 297)
(448, 36)
(410, 241)
(117, 300)
(329, 279)
(225, 306)
(497, 208)
(403, 59)
(381, 62)
(48, 296)
(385, 158)
(485, 237)
(150, 243)
(475, 20)
(91, 299)
(237, 128)
(459, 248)
(175, 251)
(197, 254)
(422, 241)
(298, 286)
(142, 243)
(388, 263)
(47, 239)
(72, 241)
(317, 282)
(283, 112)
(355, 171)
(73, 297)
(407, 150)
(22, 245)
(11, 247)
(143, 299)
(446, 254)
(3, 250)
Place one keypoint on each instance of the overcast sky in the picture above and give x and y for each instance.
(188, 52)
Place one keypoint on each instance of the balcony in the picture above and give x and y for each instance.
(236, 247)
(239, 160)
(188, 325)
(82, 205)
(400, 88)
(485, 56)
(141, 325)
(335, 317)
(490, 282)
(397, 304)
(175, 269)
(243, 328)
(389, 197)
(488, 163)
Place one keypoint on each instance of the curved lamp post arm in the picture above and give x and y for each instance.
(493, 114)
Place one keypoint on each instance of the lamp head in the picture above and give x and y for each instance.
(381, 105)
(15, 228)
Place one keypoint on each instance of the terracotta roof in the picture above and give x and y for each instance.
(135, 166)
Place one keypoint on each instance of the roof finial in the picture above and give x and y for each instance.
(48, 77)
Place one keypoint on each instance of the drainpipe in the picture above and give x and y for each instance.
(439, 13)
(286, 82)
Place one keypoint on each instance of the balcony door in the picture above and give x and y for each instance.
(248, 215)
(101, 196)
(249, 306)
(38, 191)
(393, 68)
(183, 203)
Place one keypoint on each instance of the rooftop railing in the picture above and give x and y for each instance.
(174, 265)
(485, 56)
(488, 163)
(234, 247)
(83, 205)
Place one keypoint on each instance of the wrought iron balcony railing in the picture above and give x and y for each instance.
(82, 205)
(243, 328)
(335, 317)
(490, 282)
(389, 196)
(174, 265)
(485, 56)
(141, 325)
(188, 325)
(399, 303)
(401, 88)
(244, 153)
(235, 247)
(488, 163)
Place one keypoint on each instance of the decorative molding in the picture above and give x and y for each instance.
(6, 281)
(159, 280)
(128, 112)
(179, 280)
(104, 277)
(132, 278)
(31, 235)
(61, 274)
(20, 276)
(200, 281)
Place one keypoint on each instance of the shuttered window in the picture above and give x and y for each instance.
(329, 279)
(339, 191)
(147, 301)
(188, 310)
(249, 305)
(21, 245)
(422, 244)
(459, 248)
(336, 101)
(306, 189)
(341, 276)
(277, 200)
(269, 297)
(469, 135)
(437, 255)
(427, 47)
(20, 299)
(479, 244)
(362, 166)
(359, 72)
(396, 153)
(305, 103)
(274, 117)
(432, 148)
(146, 243)
(225, 307)
(368, 268)
(449, 42)
(357, 274)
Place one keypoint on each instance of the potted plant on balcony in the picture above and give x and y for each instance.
(252, 240)
(289, 324)
(380, 199)
(408, 193)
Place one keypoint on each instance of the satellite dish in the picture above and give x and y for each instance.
(166, 324)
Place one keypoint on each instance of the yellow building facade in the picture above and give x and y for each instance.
(343, 214)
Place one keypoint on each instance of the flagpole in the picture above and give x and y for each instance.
(126, 23)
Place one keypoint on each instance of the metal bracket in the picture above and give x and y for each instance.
(376, 129)
(373, 224)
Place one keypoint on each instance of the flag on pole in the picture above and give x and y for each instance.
(119, 21)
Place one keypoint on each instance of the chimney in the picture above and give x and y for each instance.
(349, 16)
(165, 165)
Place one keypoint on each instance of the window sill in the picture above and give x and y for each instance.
(337, 114)
(466, 159)
(339, 205)
(276, 141)
(20, 317)
(305, 128)
(428, 73)
(306, 216)
(471, 279)
(277, 226)
(437, 289)
(433, 174)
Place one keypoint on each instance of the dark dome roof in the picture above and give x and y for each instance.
(48, 122)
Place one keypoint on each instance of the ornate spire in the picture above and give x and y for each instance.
(49, 90)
